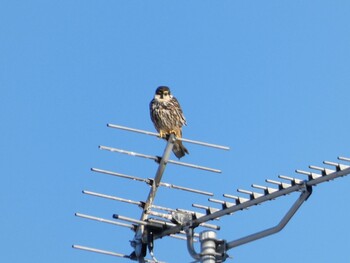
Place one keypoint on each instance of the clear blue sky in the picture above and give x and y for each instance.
(270, 79)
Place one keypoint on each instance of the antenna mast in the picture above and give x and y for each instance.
(181, 223)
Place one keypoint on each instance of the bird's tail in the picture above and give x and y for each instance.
(179, 149)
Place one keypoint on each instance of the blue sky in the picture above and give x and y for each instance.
(270, 79)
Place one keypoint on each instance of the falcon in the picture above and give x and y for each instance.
(167, 117)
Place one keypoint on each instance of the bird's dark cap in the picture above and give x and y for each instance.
(161, 89)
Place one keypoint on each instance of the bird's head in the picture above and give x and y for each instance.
(163, 93)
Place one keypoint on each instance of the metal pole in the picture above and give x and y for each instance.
(162, 164)
(140, 239)
(208, 246)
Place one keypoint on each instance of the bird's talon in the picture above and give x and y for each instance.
(162, 135)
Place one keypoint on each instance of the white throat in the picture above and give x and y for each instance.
(164, 99)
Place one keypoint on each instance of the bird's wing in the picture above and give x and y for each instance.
(179, 111)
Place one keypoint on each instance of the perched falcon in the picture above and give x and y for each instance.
(167, 117)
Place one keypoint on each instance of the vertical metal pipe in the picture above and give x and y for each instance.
(140, 239)
(208, 246)
(154, 187)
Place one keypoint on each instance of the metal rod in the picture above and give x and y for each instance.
(200, 206)
(224, 204)
(163, 208)
(156, 158)
(344, 159)
(250, 193)
(148, 181)
(190, 245)
(274, 229)
(161, 222)
(216, 201)
(115, 126)
(120, 175)
(195, 166)
(238, 199)
(293, 180)
(111, 149)
(267, 190)
(131, 220)
(105, 252)
(158, 177)
(205, 144)
(100, 251)
(178, 237)
(113, 198)
(157, 135)
(309, 174)
(158, 214)
(104, 220)
(280, 184)
(322, 169)
(186, 189)
(331, 163)
(339, 166)
(140, 237)
(215, 227)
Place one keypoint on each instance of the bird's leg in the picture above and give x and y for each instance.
(162, 134)
(174, 132)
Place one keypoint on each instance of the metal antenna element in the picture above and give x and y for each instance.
(151, 221)
(157, 159)
(105, 252)
(157, 135)
(156, 221)
(149, 182)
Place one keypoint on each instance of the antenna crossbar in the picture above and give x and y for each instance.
(111, 197)
(99, 219)
(100, 251)
(120, 175)
(157, 135)
(157, 159)
(149, 182)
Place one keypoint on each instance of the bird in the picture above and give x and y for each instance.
(167, 117)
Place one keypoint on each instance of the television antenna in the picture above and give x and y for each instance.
(157, 222)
